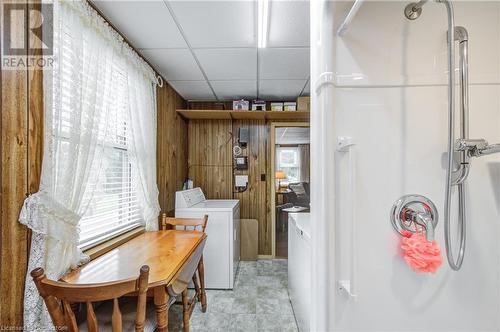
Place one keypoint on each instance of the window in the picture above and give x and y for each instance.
(110, 201)
(113, 206)
(288, 160)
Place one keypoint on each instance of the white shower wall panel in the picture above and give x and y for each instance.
(391, 97)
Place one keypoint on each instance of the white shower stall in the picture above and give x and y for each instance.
(379, 131)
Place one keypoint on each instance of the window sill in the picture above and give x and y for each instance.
(102, 248)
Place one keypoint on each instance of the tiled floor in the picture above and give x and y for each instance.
(258, 302)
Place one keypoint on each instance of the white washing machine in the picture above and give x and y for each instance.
(222, 250)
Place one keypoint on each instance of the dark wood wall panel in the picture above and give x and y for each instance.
(14, 237)
(172, 147)
(210, 157)
(14, 179)
(254, 200)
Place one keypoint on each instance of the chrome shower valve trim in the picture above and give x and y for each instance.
(413, 212)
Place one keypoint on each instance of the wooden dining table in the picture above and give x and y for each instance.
(172, 257)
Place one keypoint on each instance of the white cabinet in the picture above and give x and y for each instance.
(299, 268)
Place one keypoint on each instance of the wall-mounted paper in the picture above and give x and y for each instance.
(240, 180)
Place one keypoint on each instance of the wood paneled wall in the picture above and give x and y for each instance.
(211, 167)
(254, 200)
(21, 138)
(210, 157)
(14, 237)
(172, 148)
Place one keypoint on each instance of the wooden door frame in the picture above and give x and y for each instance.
(272, 147)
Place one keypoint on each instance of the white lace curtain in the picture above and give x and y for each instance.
(89, 49)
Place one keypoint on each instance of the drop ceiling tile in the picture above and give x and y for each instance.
(174, 64)
(280, 89)
(193, 90)
(289, 24)
(217, 23)
(231, 90)
(284, 63)
(147, 24)
(229, 64)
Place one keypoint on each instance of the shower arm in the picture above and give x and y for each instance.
(487, 149)
(413, 10)
(490, 149)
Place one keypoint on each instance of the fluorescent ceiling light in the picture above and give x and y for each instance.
(263, 23)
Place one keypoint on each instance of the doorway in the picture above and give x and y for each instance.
(290, 172)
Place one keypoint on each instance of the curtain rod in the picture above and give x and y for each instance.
(91, 4)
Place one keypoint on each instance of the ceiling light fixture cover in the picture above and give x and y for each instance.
(263, 23)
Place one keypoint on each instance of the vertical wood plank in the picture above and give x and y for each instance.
(171, 147)
(210, 157)
(35, 108)
(253, 201)
(13, 183)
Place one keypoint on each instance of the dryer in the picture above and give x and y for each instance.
(222, 250)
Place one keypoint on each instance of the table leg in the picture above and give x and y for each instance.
(201, 273)
(186, 311)
(161, 304)
(197, 285)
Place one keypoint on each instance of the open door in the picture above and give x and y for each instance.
(290, 161)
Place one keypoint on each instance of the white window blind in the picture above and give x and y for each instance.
(110, 201)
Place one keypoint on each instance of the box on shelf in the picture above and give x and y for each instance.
(289, 106)
(277, 107)
(243, 105)
(258, 105)
(303, 103)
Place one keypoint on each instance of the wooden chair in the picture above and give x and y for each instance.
(59, 296)
(199, 275)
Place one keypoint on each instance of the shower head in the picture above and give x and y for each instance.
(414, 9)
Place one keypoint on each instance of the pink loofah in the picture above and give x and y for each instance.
(419, 254)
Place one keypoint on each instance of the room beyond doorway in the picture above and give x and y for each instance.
(290, 162)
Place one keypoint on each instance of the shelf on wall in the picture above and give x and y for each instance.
(243, 115)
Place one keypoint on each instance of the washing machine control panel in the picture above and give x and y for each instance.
(188, 198)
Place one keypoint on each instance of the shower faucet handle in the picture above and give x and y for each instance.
(413, 211)
(422, 217)
(425, 220)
